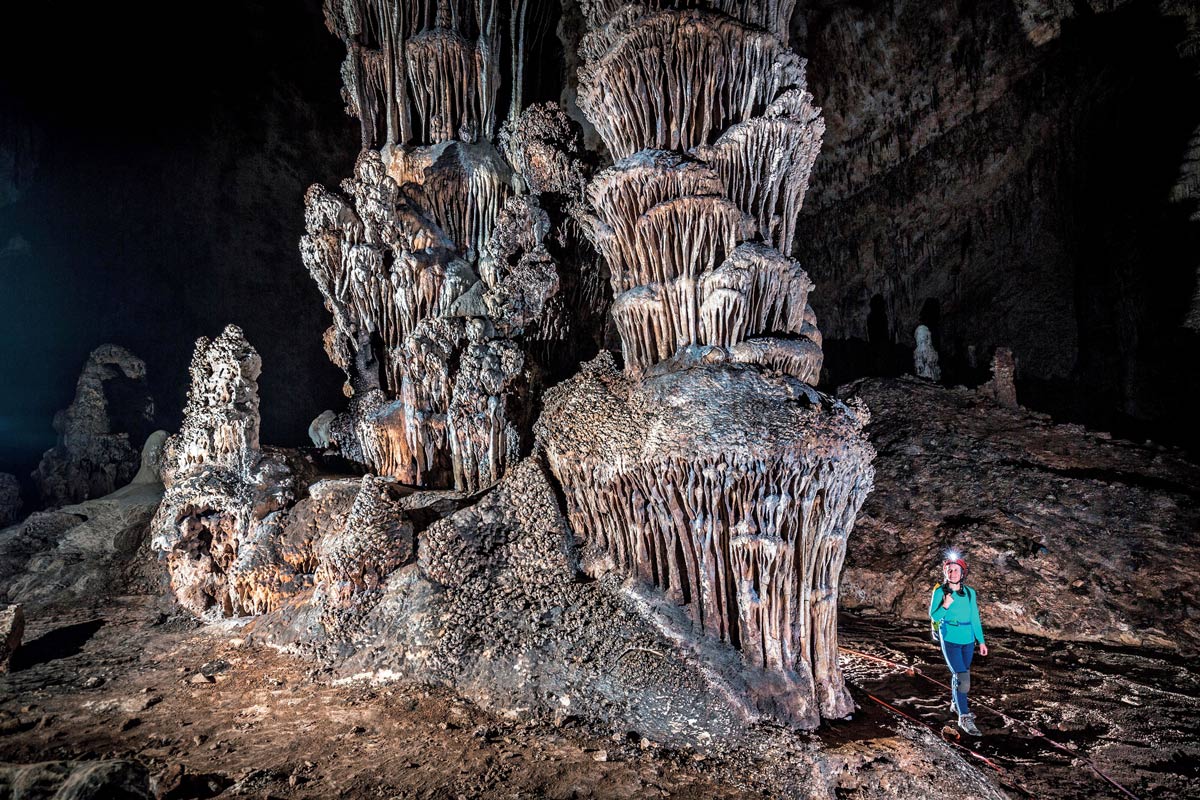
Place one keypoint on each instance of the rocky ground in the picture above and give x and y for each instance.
(1068, 531)
(1070, 534)
(1131, 715)
(163, 708)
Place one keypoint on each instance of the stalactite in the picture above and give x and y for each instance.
(772, 15)
(673, 80)
(765, 166)
(423, 72)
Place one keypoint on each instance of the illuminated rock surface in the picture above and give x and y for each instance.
(1070, 534)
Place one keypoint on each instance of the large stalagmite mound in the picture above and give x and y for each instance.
(733, 493)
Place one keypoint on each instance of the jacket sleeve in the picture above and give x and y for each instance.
(936, 612)
(976, 625)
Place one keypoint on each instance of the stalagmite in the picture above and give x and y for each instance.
(99, 432)
(925, 358)
(222, 513)
(353, 563)
(1002, 387)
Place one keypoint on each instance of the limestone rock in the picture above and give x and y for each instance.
(495, 609)
(12, 629)
(97, 433)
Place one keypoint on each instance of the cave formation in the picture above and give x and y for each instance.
(589, 467)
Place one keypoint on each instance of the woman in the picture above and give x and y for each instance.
(954, 610)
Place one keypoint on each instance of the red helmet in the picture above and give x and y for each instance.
(954, 558)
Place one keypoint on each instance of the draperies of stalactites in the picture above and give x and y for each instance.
(730, 490)
(457, 415)
(380, 265)
(623, 193)
(765, 164)
(754, 292)
(462, 189)
(423, 72)
(675, 80)
(771, 15)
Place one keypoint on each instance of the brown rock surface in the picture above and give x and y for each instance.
(1069, 534)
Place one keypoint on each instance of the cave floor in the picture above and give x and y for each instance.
(120, 681)
(1134, 714)
(124, 680)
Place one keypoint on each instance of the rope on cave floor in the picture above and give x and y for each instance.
(1032, 730)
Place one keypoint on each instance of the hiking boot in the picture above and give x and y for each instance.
(967, 723)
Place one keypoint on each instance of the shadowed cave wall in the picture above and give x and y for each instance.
(1011, 180)
(1007, 183)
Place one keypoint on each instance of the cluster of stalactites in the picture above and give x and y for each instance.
(752, 583)
(221, 419)
(765, 163)
(674, 227)
(772, 15)
(737, 305)
(421, 72)
(455, 418)
(674, 80)
(383, 266)
(461, 186)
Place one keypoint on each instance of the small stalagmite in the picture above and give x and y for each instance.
(225, 498)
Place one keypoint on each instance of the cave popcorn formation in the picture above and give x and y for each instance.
(704, 471)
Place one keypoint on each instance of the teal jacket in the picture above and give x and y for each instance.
(960, 622)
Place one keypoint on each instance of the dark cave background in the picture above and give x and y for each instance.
(1005, 185)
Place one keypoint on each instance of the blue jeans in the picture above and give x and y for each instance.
(958, 658)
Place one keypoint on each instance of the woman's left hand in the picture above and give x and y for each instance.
(983, 649)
